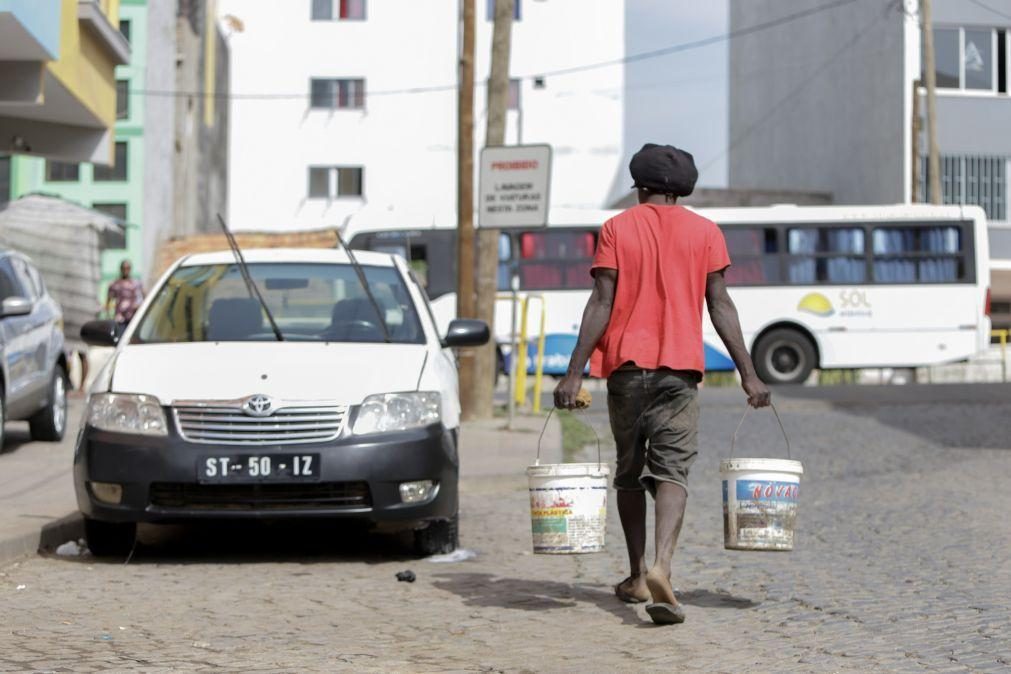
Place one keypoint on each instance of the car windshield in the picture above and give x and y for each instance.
(310, 302)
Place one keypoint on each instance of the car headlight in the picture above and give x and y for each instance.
(127, 413)
(397, 412)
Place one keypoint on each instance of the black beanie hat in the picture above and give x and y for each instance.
(664, 169)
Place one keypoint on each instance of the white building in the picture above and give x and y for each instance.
(342, 104)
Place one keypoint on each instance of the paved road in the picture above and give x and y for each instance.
(902, 565)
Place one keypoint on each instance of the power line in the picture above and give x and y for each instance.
(631, 58)
(987, 7)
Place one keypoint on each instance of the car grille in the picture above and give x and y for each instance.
(305, 496)
(226, 424)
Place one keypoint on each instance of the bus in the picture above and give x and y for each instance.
(816, 287)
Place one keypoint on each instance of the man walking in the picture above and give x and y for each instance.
(125, 295)
(655, 263)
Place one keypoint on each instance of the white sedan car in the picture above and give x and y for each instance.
(349, 408)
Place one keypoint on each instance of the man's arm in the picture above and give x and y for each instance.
(724, 316)
(595, 318)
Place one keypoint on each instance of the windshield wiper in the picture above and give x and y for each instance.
(365, 286)
(254, 292)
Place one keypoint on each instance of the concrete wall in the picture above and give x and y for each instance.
(817, 104)
(407, 141)
(159, 115)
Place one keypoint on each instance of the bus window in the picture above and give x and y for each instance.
(826, 255)
(753, 256)
(556, 260)
(918, 254)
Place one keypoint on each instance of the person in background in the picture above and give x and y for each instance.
(655, 264)
(125, 295)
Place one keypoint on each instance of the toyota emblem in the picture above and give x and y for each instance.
(258, 405)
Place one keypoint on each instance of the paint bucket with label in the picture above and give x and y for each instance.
(568, 505)
(760, 499)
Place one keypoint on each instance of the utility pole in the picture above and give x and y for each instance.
(485, 361)
(934, 159)
(465, 300)
(917, 128)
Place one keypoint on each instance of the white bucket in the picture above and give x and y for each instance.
(760, 499)
(568, 507)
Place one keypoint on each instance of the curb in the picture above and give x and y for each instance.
(67, 528)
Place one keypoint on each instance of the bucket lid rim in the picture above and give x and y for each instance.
(792, 465)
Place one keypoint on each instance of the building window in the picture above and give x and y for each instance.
(338, 10)
(61, 171)
(516, 10)
(124, 28)
(971, 59)
(971, 180)
(116, 210)
(333, 182)
(116, 172)
(122, 99)
(332, 94)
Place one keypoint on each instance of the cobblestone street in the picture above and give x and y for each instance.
(902, 564)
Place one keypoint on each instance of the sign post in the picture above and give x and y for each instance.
(514, 187)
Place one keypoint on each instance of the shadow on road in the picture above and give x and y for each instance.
(526, 594)
(252, 542)
(708, 599)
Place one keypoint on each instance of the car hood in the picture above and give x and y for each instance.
(345, 373)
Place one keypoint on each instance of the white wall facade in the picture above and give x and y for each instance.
(406, 141)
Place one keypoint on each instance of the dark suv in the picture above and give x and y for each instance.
(33, 365)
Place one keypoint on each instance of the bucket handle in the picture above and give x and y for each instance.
(747, 409)
(537, 461)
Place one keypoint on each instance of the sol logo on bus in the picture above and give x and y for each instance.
(816, 304)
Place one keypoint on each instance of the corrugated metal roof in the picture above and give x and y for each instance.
(62, 239)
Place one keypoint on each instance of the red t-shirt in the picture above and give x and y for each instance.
(662, 254)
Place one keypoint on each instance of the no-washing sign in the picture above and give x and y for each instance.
(514, 186)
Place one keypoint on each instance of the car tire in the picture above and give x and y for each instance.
(438, 538)
(784, 356)
(110, 539)
(50, 423)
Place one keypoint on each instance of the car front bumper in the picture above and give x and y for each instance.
(359, 478)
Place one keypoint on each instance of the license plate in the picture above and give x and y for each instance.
(259, 468)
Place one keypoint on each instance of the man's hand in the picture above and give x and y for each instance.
(758, 393)
(567, 390)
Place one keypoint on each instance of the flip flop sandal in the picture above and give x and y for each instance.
(627, 597)
(666, 614)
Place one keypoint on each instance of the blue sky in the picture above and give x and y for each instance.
(680, 99)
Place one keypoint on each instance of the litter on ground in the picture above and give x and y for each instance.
(72, 549)
(458, 555)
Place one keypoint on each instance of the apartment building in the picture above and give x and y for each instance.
(339, 105)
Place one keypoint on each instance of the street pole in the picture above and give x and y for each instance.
(934, 159)
(486, 363)
(917, 128)
(465, 301)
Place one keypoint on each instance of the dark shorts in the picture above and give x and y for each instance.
(655, 421)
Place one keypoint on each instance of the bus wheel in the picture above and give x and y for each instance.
(784, 356)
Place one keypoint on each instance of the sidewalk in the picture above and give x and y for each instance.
(37, 490)
(488, 449)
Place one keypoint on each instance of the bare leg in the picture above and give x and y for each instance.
(632, 510)
(671, 499)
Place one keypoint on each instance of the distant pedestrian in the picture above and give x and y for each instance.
(655, 264)
(125, 295)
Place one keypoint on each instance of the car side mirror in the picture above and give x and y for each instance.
(467, 332)
(100, 333)
(15, 306)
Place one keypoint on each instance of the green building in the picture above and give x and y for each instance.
(117, 190)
